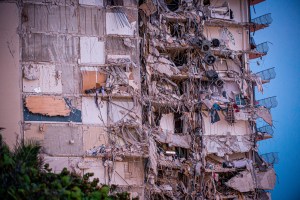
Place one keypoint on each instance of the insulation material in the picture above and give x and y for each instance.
(91, 114)
(116, 25)
(91, 2)
(266, 180)
(94, 136)
(92, 51)
(243, 182)
(223, 128)
(44, 79)
(91, 19)
(167, 122)
(222, 145)
(116, 46)
(50, 48)
(123, 111)
(57, 164)
(43, 18)
(63, 140)
(47, 105)
(92, 79)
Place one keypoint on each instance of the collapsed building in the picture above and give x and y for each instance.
(156, 96)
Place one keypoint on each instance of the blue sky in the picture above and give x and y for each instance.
(284, 55)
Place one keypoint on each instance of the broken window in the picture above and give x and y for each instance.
(240, 100)
(181, 152)
(178, 123)
(179, 58)
(115, 3)
(172, 5)
(176, 29)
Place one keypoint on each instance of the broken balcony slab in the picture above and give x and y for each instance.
(42, 79)
(52, 108)
(266, 180)
(243, 182)
(229, 144)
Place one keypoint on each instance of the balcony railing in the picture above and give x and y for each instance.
(261, 22)
(267, 74)
(269, 102)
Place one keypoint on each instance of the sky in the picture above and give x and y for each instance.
(284, 55)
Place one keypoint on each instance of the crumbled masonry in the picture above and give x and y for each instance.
(153, 96)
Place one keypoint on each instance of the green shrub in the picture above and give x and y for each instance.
(23, 175)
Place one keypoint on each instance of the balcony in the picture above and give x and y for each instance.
(270, 158)
(264, 132)
(267, 75)
(268, 103)
(259, 51)
(260, 22)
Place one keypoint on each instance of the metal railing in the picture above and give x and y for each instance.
(263, 20)
(266, 129)
(267, 74)
(270, 102)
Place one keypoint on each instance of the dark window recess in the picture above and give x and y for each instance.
(206, 2)
(157, 118)
(176, 30)
(179, 58)
(181, 152)
(115, 3)
(178, 122)
(182, 177)
(173, 5)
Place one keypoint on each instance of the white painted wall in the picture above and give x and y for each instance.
(92, 50)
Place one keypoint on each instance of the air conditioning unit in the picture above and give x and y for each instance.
(215, 42)
(209, 59)
(205, 47)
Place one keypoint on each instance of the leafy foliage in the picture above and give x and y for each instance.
(24, 176)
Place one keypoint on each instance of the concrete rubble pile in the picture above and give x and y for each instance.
(155, 97)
